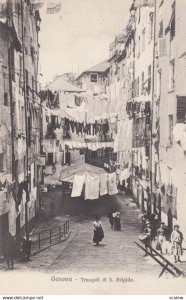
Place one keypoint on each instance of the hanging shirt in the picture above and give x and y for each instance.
(78, 185)
(92, 187)
(103, 184)
(112, 186)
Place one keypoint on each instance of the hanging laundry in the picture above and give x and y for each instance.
(112, 186)
(79, 181)
(105, 127)
(92, 186)
(103, 184)
(94, 148)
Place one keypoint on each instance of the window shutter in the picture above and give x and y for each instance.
(181, 109)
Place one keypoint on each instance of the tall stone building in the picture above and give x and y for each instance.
(169, 111)
(20, 120)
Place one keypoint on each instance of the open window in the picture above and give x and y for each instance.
(93, 77)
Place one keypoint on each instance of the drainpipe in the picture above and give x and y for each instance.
(152, 110)
(11, 112)
(26, 117)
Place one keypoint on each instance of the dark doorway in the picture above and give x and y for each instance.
(4, 227)
(170, 222)
(50, 158)
(18, 225)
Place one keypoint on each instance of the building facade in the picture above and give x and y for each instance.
(169, 108)
(20, 158)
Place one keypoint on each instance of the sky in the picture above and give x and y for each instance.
(78, 37)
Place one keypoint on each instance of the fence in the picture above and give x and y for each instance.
(46, 238)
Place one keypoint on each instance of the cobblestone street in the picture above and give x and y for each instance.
(116, 252)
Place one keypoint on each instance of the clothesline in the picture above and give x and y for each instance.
(91, 145)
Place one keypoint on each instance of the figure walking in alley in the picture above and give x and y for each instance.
(110, 216)
(161, 238)
(8, 249)
(116, 220)
(176, 240)
(26, 248)
(98, 231)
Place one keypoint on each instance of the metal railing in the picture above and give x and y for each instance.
(163, 262)
(46, 238)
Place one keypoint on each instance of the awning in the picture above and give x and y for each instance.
(68, 174)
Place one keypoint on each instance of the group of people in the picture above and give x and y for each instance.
(166, 242)
(114, 219)
(12, 248)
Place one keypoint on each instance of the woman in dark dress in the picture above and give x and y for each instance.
(98, 231)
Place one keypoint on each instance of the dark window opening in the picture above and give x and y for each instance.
(160, 34)
(5, 99)
(50, 158)
(173, 23)
(171, 129)
(93, 78)
(181, 109)
(1, 162)
(12, 63)
(27, 83)
(142, 82)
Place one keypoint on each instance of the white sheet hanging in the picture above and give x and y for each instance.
(92, 186)
(103, 184)
(78, 185)
(112, 185)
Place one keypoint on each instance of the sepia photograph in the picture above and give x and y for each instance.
(92, 147)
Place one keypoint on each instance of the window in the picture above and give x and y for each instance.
(160, 34)
(27, 86)
(172, 75)
(139, 14)
(172, 23)
(118, 77)
(21, 71)
(33, 87)
(12, 63)
(1, 162)
(29, 131)
(123, 71)
(139, 45)
(158, 84)
(93, 77)
(149, 79)
(143, 40)
(137, 87)
(170, 129)
(5, 99)
(151, 27)
(142, 82)
(181, 109)
(50, 158)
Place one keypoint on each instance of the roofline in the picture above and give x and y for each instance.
(89, 72)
